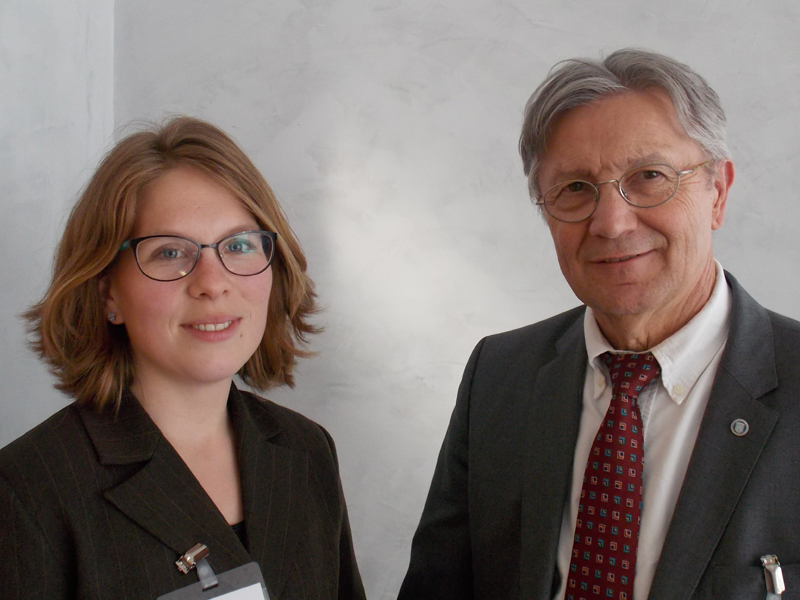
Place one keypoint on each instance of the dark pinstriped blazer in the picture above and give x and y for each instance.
(97, 506)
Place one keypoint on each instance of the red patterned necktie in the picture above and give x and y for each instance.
(607, 530)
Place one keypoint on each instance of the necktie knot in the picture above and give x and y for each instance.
(630, 373)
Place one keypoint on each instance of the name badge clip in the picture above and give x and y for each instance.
(195, 558)
(773, 575)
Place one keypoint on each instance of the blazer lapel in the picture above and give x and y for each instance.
(721, 462)
(274, 481)
(163, 497)
(552, 432)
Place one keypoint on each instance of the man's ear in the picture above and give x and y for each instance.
(723, 180)
(106, 288)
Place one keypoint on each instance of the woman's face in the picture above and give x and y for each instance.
(203, 328)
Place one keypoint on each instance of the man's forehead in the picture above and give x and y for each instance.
(615, 132)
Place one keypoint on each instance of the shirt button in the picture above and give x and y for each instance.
(678, 390)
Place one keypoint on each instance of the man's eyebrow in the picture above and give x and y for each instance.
(649, 159)
(571, 174)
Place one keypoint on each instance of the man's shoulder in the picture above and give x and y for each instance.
(534, 344)
(546, 332)
(749, 318)
(786, 344)
(785, 325)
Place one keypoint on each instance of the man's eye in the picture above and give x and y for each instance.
(646, 175)
(575, 187)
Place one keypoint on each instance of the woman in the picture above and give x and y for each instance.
(177, 270)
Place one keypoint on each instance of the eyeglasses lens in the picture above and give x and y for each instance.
(571, 200)
(246, 253)
(650, 185)
(166, 258)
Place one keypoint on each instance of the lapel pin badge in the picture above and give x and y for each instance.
(195, 558)
(740, 427)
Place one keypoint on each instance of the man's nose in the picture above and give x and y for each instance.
(613, 216)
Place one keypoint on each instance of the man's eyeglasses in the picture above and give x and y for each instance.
(170, 257)
(646, 186)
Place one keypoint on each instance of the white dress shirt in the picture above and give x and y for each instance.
(671, 407)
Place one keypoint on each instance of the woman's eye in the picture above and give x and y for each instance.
(239, 246)
(167, 253)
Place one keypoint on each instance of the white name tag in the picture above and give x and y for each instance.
(241, 583)
(251, 592)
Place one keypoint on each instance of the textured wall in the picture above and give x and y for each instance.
(56, 116)
(389, 130)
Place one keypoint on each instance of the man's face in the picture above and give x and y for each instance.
(624, 261)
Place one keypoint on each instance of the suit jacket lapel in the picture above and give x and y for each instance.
(274, 481)
(721, 462)
(163, 497)
(552, 432)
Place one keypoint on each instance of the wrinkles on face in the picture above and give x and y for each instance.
(644, 271)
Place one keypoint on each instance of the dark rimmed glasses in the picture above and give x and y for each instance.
(171, 257)
(646, 186)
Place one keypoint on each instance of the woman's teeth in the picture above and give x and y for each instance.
(213, 326)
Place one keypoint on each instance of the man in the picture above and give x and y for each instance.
(541, 490)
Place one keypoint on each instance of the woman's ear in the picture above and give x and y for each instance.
(113, 311)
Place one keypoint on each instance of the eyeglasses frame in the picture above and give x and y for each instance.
(540, 201)
(134, 243)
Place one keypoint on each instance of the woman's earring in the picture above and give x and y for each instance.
(112, 317)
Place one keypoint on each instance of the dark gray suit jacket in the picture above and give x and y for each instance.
(98, 506)
(491, 524)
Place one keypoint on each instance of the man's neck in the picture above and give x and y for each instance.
(642, 331)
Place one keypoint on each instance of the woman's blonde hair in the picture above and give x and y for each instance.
(92, 358)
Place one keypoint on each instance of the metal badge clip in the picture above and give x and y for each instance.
(188, 561)
(773, 574)
(195, 557)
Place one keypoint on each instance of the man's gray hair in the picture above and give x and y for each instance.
(578, 82)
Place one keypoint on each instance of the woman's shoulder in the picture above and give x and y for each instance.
(287, 427)
(44, 441)
(38, 463)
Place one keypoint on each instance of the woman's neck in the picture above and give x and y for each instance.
(185, 413)
(194, 420)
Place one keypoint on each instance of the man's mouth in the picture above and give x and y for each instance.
(622, 258)
(619, 259)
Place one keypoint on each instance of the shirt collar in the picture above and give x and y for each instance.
(685, 354)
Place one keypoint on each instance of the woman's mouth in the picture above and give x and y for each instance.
(212, 326)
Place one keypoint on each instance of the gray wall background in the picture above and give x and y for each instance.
(56, 119)
(388, 130)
